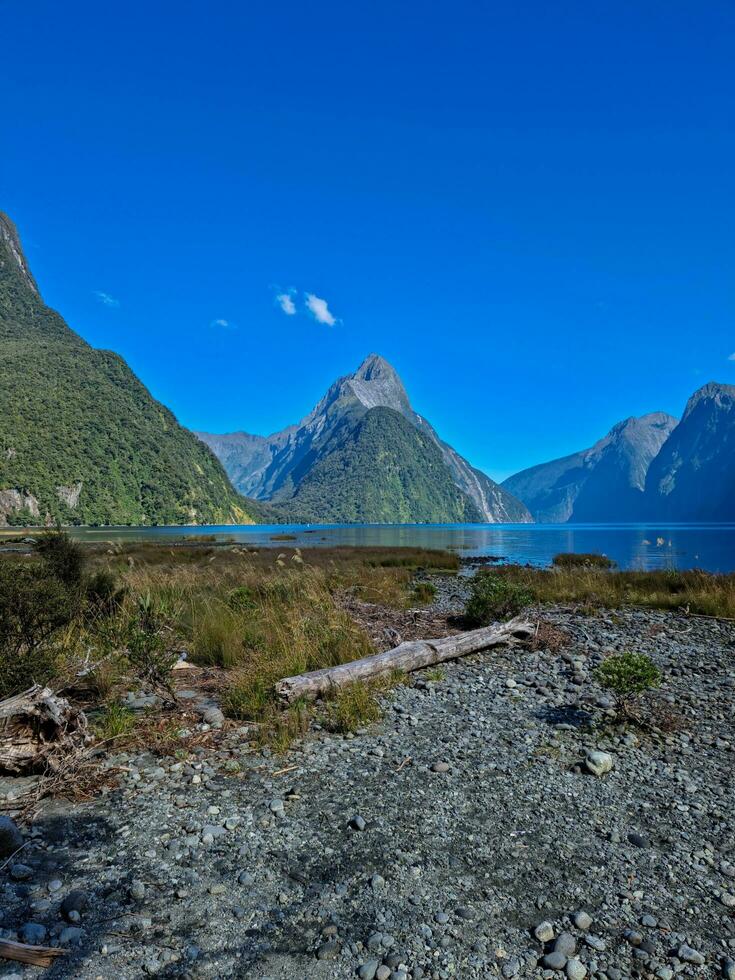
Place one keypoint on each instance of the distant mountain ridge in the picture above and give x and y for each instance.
(606, 482)
(81, 438)
(285, 467)
(693, 476)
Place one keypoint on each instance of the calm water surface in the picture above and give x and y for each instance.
(635, 546)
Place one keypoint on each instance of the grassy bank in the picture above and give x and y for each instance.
(692, 591)
(253, 616)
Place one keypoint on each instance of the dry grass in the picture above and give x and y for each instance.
(263, 615)
(694, 592)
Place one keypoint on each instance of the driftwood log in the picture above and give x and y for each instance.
(406, 657)
(38, 728)
(24, 953)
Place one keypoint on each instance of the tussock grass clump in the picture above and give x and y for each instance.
(582, 560)
(424, 592)
(115, 721)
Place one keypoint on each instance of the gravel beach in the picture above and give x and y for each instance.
(494, 823)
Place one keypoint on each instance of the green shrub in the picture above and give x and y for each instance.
(149, 650)
(494, 598)
(628, 675)
(582, 560)
(62, 556)
(241, 599)
(34, 607)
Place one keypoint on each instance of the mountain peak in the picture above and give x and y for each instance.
(11, 240)
(376, 383)
(374, 366)
(721, 394)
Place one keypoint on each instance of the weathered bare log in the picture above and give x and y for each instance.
(37, 728)
(24, 953)
(406, 657)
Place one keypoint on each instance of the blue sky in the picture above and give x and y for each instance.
(527, 208)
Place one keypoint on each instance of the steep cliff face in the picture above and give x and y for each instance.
(693, 477)
(81, 439)
(278, 467)
(603, 483)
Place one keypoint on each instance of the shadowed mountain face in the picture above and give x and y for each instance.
(693, 477)
(338, 449)
(81, 439)
(604, 483)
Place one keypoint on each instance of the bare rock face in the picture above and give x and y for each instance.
(693, 477)
(603, 483)
(70, 495)
(16, 501)
(9, 235)
(270, 468)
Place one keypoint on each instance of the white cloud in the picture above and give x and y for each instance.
(106, 299)
(319, 310)
(731, 357)
(220, 323)
(285, 301)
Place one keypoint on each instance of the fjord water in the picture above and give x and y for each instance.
(632, 546)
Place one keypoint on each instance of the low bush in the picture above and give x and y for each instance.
(494, 598)
(628, 675)
(35, 607)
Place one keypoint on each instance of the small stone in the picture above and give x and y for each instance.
(576, 970)
(442, 918)
(71, 936)
(728, 900)
(11, 838)
(440, 767)
(32, 933)
(75, 901)
(328, 951)
(728, 969)
(689, 955)
(566, 944)
(554, 961)
(20, 872)
(358, 823)
(544, 932)
(582, 920)
(638, 840)
(213, 717)
(383, 973)
(137, 890)
(598, 763)
(368, 970)
(665, 973)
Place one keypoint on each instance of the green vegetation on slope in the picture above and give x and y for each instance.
(70, 415)
(380, 470)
